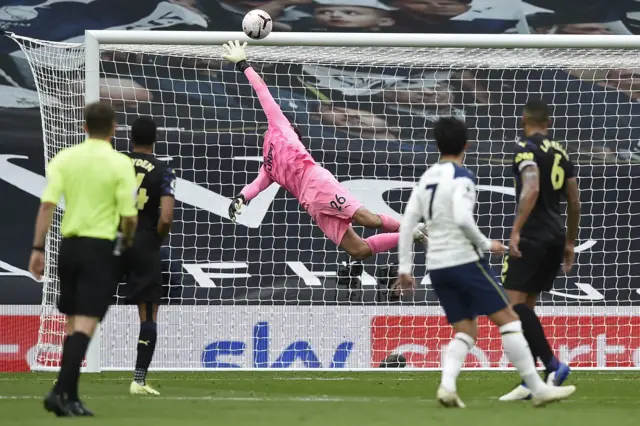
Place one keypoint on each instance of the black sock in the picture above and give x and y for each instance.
(146, 348)
(57, 387)
(534, 333)
(75, 347)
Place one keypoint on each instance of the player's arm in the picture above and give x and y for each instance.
(530, 177)
(463, 204)
(126, 191)
(411, 217)
(249, 192)
(48, 202)
(167, 202)
(235, 53)
(573, 215)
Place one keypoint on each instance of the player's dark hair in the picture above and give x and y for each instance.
(99, 118)
(295, 129)
(451, 135)
(144, 131)
(536, 112)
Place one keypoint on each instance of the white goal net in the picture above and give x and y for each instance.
(269, 292)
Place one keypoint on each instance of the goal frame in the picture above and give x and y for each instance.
(95, 38)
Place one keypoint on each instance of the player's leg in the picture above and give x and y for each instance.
(358, 248)
(462, 319)
(364, 217)
(334, 209)
(523, 279)
(145, 279)
(534, 333)
(543, 279)
(146, 348)
(339, 231)
(97, 284)
(56, 400)
(490, 299)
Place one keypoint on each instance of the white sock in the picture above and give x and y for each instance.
(453, 358)
(518, 352)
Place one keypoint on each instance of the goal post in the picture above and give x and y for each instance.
(267, 291)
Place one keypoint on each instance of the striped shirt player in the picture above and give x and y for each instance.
(540, 242)
(141, 264)
(98, 185)
(288, 163)
(460, 275)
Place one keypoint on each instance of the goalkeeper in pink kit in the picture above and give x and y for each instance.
(288, 163)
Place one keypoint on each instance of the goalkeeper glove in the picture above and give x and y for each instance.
(235, 53)
(235, 206)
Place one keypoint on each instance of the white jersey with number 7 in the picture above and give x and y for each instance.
(445, 197)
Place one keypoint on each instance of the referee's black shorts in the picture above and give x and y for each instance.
(142, 271)
(87, 273)
(536, 270)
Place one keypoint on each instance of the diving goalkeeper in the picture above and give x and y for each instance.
(288, 163)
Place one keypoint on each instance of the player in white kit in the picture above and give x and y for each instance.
(460, 275)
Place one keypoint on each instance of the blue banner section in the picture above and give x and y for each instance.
(297, 351)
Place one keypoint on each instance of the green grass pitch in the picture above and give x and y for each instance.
(236, 398)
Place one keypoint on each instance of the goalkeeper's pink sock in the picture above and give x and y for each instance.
(382, 242)
(389, 224)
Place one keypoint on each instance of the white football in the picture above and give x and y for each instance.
(257, 24)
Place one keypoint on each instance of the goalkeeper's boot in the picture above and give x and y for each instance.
(449, 399)
(78, 409)
(552, 394)
(520, 393)
(55, 403)
(557, 377)
(142, 389)
(420, 234)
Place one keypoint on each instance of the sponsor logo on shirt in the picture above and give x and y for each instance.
(268, 164)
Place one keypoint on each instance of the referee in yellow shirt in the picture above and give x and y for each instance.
(98, 185)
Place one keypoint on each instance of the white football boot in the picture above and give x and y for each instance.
(449, 399)
(520, 393)
(552, 394)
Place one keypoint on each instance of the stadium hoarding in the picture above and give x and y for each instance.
(332, 337)
(590, 341)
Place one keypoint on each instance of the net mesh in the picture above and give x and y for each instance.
(366, 115)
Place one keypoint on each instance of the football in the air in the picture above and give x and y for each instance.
(257, 24)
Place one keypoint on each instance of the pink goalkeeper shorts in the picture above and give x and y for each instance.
(329, 203)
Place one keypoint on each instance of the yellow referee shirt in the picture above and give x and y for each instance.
(98, 185)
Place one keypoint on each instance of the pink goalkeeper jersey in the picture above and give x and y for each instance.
(286, 160)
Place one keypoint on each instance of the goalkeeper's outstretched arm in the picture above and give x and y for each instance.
(235, 53)
(258, 185)
(249, 192)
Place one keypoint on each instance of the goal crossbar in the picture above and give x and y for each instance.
(505, 41)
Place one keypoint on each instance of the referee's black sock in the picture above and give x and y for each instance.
(534, 333)
(146, 348)
(75, 347)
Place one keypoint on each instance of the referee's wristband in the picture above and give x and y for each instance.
(40, 249)
(242, 65)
